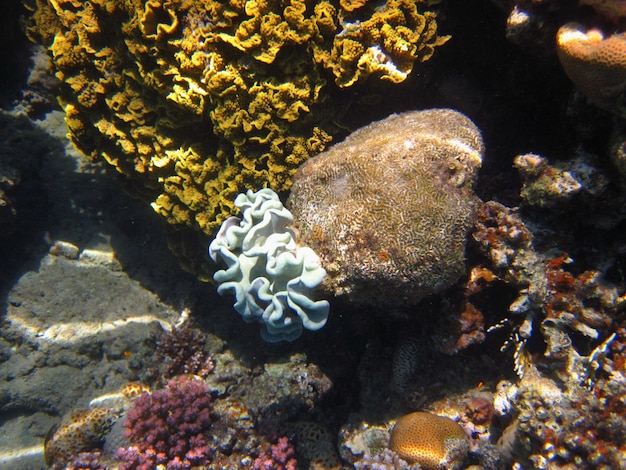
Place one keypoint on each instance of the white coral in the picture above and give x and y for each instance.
(272, 278)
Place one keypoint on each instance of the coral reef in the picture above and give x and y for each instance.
(80, 431)
(409, 238)
(169, 427)
(273, 278)
(430, 440)
(561, 303)
(387, 44)
(596, 64)
(189, 101)
(554, 426)
(87, 461)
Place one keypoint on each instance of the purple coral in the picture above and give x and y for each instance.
(282, 457)
(168, 427)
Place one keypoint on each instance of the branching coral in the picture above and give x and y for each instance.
(281, 457)
(197, 101)
(169, 427)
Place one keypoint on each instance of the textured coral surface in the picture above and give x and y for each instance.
(429, 440)
(389, 208)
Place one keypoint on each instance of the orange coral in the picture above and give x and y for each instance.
(431, 441)
(596, 65)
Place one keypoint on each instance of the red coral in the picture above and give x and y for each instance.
(168, 427)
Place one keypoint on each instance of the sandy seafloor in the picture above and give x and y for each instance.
(87, 285)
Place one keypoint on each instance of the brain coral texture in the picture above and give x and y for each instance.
(388, 209)
(196, 101)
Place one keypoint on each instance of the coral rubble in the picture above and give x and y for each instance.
(169, 427)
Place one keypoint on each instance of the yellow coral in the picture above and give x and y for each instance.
(189, 100)
(596, 65)
(431, 441)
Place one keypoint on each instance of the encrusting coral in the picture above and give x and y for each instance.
(388, 209)
(197, 101)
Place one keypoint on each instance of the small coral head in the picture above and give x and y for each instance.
(596, 65)
(429, 440)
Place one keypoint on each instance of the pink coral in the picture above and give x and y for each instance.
(282, 457)
(168, 427)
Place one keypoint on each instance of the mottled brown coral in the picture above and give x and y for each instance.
(196, 101)
(81, 430)
(596, 65)
(388, 209)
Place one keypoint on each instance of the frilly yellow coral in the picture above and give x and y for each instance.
(196, 101)
(387, 44)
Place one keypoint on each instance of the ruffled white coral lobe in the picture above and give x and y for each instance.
(273, 279)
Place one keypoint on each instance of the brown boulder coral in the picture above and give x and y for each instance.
(596, 65)
(196, 101)
(388, 209)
